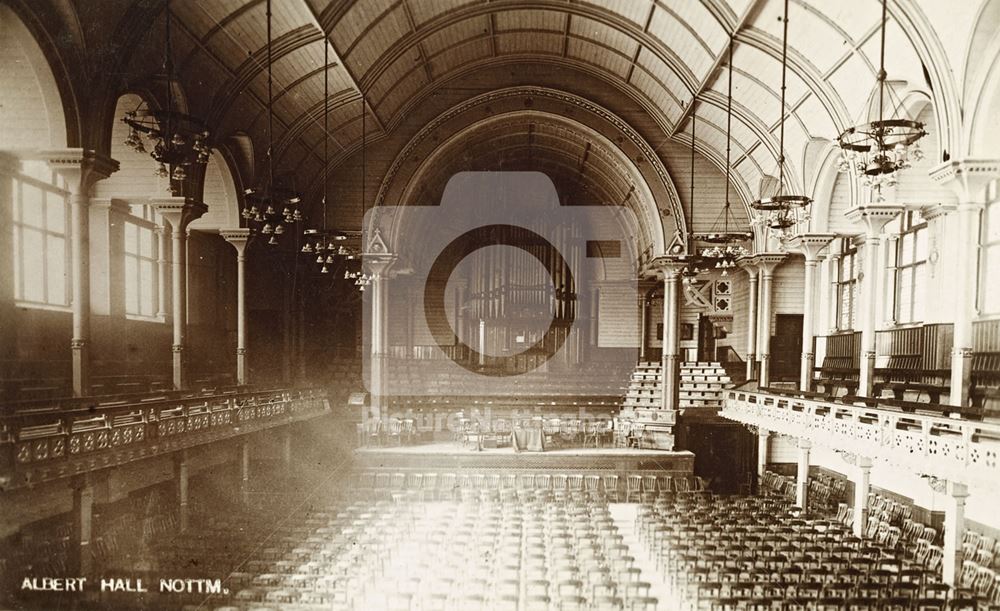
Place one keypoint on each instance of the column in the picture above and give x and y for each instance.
(954, 530)
(81, 555)
(766, 263)
(179, 212)
(244, 458)
(749, 265)
(161, 272)
(810, 245)
(238, 238)
(378, 264)
(862, 485)
(81, 169)
(874, 217)
(595, 313)
(181, 480)
(286, 447)
(671, 268)
(763, 448)
(643, 323)
(969, 179)
(802, 475)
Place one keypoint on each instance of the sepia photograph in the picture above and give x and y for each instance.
(500, 305)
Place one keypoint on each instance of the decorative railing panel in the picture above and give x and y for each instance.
(43, 444)
(959, 450)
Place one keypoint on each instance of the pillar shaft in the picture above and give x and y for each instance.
(161, 271)
(671, 341)
(808, 357)
(752, 323)
(179, 301)
(763, 449)
(964, 312)
(764, 344)
(643, 324)
(378, 262)
(238, 238)
(862, 486)
(81, 553)
(802, 476)
(954, 530)
(181, 477)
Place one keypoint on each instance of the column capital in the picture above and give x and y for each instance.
(932, 211)
(810, 244)
(81, 168)
(378, 263)
(805, 444)
(178, 211)
(874, 216)
(767, 261)
(749, 265)
(237, 236)
(118, 206)
(967, 178)
(670, 266)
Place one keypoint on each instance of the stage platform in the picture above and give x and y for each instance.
(453, 456)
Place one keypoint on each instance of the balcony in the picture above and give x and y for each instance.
(53, 441)
(945, 447)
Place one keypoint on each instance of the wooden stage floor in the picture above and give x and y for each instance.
(453, 455)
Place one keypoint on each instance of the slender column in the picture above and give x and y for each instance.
(809, 245)
(874, 217)
(81, 554)
(181, 478)
(969, 179)
(671, 270)
(81, 169)
(244, 458)
(179, 212)
(161, 272)
(595, 313)
(238, 238)
(802, 475)
(763, 448)
(766, 263)
(862, 485)
(643, 323)
(286, 448)
(832, 267)
(9, 167)
(954, 530)
(378, 263)
(749, 265)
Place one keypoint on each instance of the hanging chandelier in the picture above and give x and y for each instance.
(178, 140)
(877, 150)
(782, 210)
(726, 245)
(270, 210)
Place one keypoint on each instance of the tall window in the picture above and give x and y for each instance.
(847, 285)
(41, 250)
(140, 263)
(989, 259)
(910, 261)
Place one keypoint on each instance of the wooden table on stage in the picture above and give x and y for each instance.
(530, 438)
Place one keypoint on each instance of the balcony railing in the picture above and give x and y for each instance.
(42, 444)
(959, 450)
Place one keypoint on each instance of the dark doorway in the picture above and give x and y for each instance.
(706, 339)
(725, 452)
(786, 347)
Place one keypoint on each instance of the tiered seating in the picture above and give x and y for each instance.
(826, 493)
(521, 486)
(702, 384)
(757, 553)
(981, 568)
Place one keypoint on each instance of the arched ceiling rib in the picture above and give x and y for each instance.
(397, 52)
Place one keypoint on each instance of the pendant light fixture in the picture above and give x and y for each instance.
(179, 140)
(694, 262)
(360, 277)
(318, 242)
(877, 150)
(270, 210)
(727, 244)
(780, 209)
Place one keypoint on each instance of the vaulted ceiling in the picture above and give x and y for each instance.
(660, 54)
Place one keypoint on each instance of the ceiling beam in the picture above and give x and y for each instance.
(748, 16)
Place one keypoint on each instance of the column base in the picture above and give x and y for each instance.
(961, 376)
(81, 367)
(241, 366)
(178, 367)
(765, 370)
(866, 381)
(805, 378)
(751, 366)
